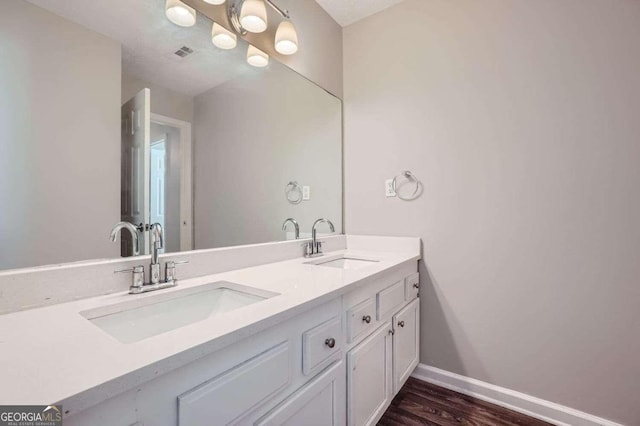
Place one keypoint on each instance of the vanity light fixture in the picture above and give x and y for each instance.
(222, 37)
(286, 38)
(180, 14)
(253, 16)
(257, 57)
(245, 16)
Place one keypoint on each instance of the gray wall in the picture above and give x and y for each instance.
(59, 139)
(522, 120)
(252, 136)
(320, 39)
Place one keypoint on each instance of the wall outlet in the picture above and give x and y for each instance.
(306, 193)
(389, 189)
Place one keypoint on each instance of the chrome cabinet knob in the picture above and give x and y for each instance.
(367, 319)
(401, 323)
(416, 285)
(331, 342)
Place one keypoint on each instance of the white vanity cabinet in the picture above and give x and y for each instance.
(339, 363)
(285, 374)
(380, 362)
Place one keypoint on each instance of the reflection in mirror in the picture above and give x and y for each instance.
(109, 112)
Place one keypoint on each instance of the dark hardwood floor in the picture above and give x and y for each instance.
(421, 403)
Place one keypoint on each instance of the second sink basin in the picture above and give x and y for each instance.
(136, 320)
(344, 262)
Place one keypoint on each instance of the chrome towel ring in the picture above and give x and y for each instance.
(407, 178)
(293, 192)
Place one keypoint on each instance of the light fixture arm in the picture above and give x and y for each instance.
(283, 13)
(233, 14)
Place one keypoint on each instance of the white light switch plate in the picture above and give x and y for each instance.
(389, 190)
(306, 193)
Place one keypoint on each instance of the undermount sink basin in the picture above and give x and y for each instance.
(136, 320)
(344, 262)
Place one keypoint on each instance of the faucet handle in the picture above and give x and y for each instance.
(135, 269)
(170, 270)
(174, 263)
(319, 246)
(138, 277)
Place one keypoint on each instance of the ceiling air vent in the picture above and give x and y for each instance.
(184, 51)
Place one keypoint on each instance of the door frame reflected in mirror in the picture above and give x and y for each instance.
(186, 176)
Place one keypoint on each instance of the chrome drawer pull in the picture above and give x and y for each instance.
(367, 319)
(331, 342)
(401, 323)
(416, 285)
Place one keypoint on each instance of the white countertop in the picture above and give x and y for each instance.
(54, 354)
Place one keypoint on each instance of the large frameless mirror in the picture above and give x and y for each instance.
(109, 112)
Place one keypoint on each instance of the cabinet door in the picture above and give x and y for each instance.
(406, 343)
(318, 403)
(217, 401)
(369, 377)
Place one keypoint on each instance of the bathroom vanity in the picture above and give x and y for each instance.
(324, 341)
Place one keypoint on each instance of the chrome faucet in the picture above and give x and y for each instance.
(135, 242)
(314, 247)
(157, 243)
(295, 225)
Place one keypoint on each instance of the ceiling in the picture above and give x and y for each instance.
(346, 12)
(149, 41)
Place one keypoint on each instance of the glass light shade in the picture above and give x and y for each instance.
(216, 2)
(253, 16)
(222, 37)
(286, 38)
(257, 57)
(180, 14)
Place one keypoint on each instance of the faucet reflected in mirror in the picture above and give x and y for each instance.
(135, 242)
(295, 226)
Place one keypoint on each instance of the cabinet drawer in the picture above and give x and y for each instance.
(217, 402)
(411, 287)
(360, 318)
(389, 299)
(321, 345)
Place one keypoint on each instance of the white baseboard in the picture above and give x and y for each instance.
(522, 403)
